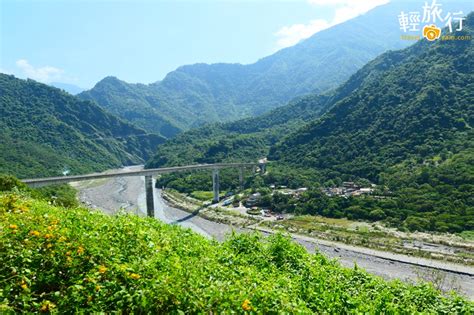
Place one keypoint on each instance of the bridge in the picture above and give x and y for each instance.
(149, 173)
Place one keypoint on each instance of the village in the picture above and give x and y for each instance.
(254, 204)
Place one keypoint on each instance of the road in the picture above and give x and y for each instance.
(128, 193)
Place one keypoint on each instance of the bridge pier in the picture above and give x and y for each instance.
(241, 177)
(215, 184)
(150, 204)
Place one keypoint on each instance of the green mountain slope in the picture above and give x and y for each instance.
(403, 121)
(134, 103)
(243, 140)
(195, 94)
(250, 139)
(420, 106)
(409, 128)
(45, 130)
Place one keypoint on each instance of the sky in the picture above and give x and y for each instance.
(82, 41)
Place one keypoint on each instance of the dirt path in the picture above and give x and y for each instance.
(128, 193)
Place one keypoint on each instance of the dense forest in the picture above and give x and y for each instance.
(46, 131)
(404, 122)
(243, 140)
(68, 260)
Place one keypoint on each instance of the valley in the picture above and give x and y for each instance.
(237, 157)
(128, 193)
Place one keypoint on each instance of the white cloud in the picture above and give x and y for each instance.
(343, 10)
(44, 74)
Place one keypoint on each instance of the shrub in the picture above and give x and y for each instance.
(8, 183)
(80, 261)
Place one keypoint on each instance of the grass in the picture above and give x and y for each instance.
(77, 260)
(205, 195)
(310, 220)
(467, 235)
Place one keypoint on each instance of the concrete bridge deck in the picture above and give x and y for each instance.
(38, 182)
(148, 174)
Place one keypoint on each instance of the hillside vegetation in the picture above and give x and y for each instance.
(409, 128)
(404, 122)
(46, 131)
(78, 260)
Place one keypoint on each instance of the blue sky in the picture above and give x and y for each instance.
(80, 42)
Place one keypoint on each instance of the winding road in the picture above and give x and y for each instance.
(128, 193)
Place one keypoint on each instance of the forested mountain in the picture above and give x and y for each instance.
(403, 121)
(136, 103)
(195, 94)
(243, 140)
(46, 130)
(389, 76)
(409, 128)
(420, 106)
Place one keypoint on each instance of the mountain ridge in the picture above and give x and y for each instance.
(194, 95)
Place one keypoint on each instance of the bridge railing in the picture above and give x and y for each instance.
(37, 182)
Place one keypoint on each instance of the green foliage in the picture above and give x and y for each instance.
(76, 260)
(61, 195)
(8, 182)
(132, 103)
(243, 140)
(404, 121)
(202, 195)
(201, 181)
(45, 130)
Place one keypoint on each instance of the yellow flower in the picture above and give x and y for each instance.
(135, 276)
(22, 208)
(51, 227)
(48, 235)
(80, 250)
(62, 239)
(47, 306)
(54, 222)
(102, 269)
(97, 287)
(246, 305)
(35, 233)
(49, 245)
(13, 226)
(24, 286)
(69, 259)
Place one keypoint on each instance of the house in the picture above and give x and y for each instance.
(253, 199)
(366, 190)
(349, 185)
